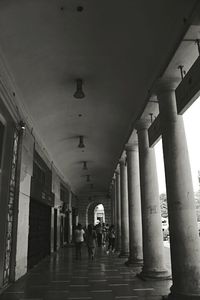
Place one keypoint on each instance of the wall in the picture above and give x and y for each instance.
(4, 180)
(12, 111)
(24, 200)
(58, 203)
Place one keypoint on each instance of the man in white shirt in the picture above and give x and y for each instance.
(79, 239)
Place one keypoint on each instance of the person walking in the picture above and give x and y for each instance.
(79, 239)
(99, 234)
(111, 239)
(91, 241)
(104, 234)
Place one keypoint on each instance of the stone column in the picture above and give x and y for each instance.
(124, 210)
(184, 237)
(76, 220)
(118, 211)
(70, 218)
(134, 201)
(113, 201)
(153, 248)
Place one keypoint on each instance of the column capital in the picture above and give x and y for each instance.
(165, 84)
(122, 160)
(131, 146)
(117, 171)
(142, 124)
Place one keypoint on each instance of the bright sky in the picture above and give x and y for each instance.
(192, 125)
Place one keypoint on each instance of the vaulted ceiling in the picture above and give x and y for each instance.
(118, 48)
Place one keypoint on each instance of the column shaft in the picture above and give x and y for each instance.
(184, 237)
(114, 221)
(118, 212)
(70, 218)
(134, 201)
(153, 248)
(113, 203)
(124, 210)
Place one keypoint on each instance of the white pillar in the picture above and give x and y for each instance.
(70, 217)
(124, 210)
(184, 237)
(153, 248)
(113, 202)
(134, 201)
(118, 211)
(76, 223)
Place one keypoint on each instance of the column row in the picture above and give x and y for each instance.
(137, 203)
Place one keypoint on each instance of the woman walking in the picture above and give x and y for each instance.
(111, 239)
(91, 241)
(79, 239)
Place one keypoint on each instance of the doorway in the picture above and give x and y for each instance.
(39, 232)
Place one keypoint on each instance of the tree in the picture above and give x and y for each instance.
(163, 205)
(164, 208)
(197, 202)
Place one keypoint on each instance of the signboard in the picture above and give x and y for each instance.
(154, 132)
(189, 88)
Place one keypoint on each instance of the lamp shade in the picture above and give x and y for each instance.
(81, 143)
(79, 94)
(85, 165)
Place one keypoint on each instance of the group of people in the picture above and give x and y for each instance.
(100, 235)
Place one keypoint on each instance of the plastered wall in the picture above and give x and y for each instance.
(24, 200)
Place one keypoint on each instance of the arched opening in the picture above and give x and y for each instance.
(162, 191)
(192, 123)
(99, 214)
(95, 213)
(88, 217)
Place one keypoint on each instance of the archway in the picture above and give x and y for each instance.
(99, 214)
(90, 212)
(86, 210)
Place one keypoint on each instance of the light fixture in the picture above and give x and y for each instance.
(22, 125)
(85, 165)
(88, 178)
(81, 143)
(79, 8)
(182, 71)
(79, 94)
(91, 186)
(151, 117)
(198, 45)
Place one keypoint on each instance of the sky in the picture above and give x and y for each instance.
(191, 120)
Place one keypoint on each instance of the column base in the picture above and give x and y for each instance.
(123, 254)
(181, 297)
(117, 249)
(154, 275)
(131, 262)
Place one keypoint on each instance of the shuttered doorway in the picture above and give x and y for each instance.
(39, 232)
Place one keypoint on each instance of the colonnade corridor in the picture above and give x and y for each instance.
(61, 277)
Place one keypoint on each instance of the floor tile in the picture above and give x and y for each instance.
(61, 277)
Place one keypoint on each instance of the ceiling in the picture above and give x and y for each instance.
(118, 48)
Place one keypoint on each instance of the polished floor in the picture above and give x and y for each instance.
(62, 277)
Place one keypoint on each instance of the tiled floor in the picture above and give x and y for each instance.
(62, 277)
